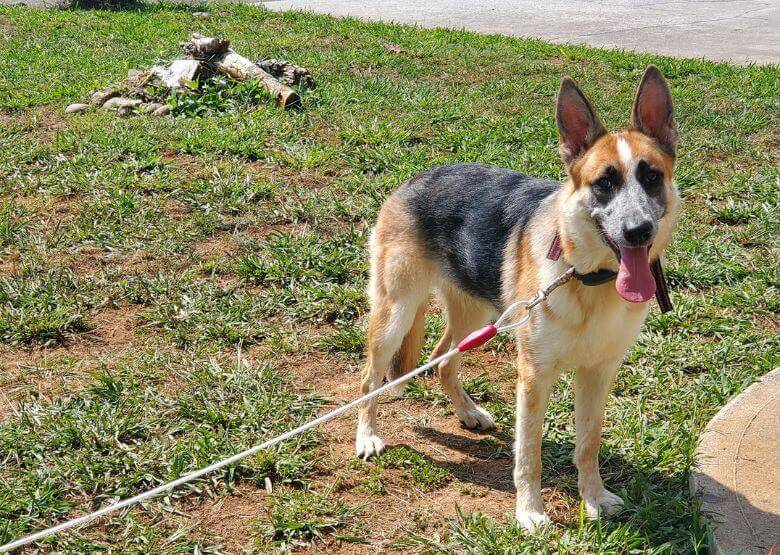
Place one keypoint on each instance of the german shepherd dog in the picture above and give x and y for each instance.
(479, 236)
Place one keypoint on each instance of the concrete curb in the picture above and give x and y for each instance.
(737, 470)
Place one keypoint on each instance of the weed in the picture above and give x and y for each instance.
(42, 306)
(298, 517)
(218, 94)
(425, 472)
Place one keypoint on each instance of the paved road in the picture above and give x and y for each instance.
(734, 30)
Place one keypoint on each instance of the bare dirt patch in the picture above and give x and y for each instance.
(6, 27)
(8, 264)
(769, 322)
(48, 121)
(188, 166)
(47, 372)
(229, 519)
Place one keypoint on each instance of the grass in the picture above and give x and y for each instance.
(42, 306)
(425, 473)
(298, 517)
(239, 227)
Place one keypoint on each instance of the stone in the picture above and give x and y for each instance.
(100, 97)
(119, 102)
(200, 14)
(162, 111)
(76, 107)
(151, 107)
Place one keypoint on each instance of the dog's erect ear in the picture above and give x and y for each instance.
(653, 113)
(578, 125)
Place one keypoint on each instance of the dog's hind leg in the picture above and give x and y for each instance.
(400, 285)
(464, 315)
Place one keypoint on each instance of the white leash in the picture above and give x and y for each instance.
(476, 339)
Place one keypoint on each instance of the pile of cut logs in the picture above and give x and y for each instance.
(146, 91)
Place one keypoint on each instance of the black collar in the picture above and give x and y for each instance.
(596, 278)
(592, 278)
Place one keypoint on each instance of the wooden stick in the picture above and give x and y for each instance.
(201, 47)
(228, 62)
(238, 67)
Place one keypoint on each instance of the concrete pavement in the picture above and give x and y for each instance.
(733, 30)
(737, 475)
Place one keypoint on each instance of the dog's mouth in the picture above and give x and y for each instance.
(635, 282)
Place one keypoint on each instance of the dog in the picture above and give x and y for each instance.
(480, 236)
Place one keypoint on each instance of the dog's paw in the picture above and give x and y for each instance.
(398, 391)
(368, 446)
(476, 418)
(532, 520)
(605, 503)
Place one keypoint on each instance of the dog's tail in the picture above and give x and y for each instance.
(407, 357)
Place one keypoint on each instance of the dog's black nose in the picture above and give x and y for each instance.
(639, 234)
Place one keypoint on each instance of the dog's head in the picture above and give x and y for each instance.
(622, 183)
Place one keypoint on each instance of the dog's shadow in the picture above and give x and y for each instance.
(490, 460)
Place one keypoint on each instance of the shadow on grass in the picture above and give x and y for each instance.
(141, 6)
(658, 506)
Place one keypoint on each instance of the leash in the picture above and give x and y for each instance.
(472, 341)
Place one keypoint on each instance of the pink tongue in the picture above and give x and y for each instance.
(635, 282)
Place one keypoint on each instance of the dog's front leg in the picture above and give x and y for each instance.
(533, 392)
(591, 389)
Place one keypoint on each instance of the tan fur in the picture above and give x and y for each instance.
(604, 153)
(408, 355)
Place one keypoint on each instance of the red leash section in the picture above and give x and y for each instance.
(478, 338)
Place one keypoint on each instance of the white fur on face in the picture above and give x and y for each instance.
(624, 151)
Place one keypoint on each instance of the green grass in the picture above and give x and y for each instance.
(43, 306)
(298, 517)
(124, 433)
(425, 473)
(237, 226)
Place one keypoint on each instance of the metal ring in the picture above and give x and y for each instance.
(509, 311)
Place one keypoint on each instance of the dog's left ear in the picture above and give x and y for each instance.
(653, 113)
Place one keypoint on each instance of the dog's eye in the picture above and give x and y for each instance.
(652, 176)
(603, 183)
(649, 176)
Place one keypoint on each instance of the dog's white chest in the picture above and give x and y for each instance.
(567, 337)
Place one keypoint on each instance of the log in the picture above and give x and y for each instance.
(288, 73)
(201, 47)
(238, 67)
(218, 54)
(178, 73)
